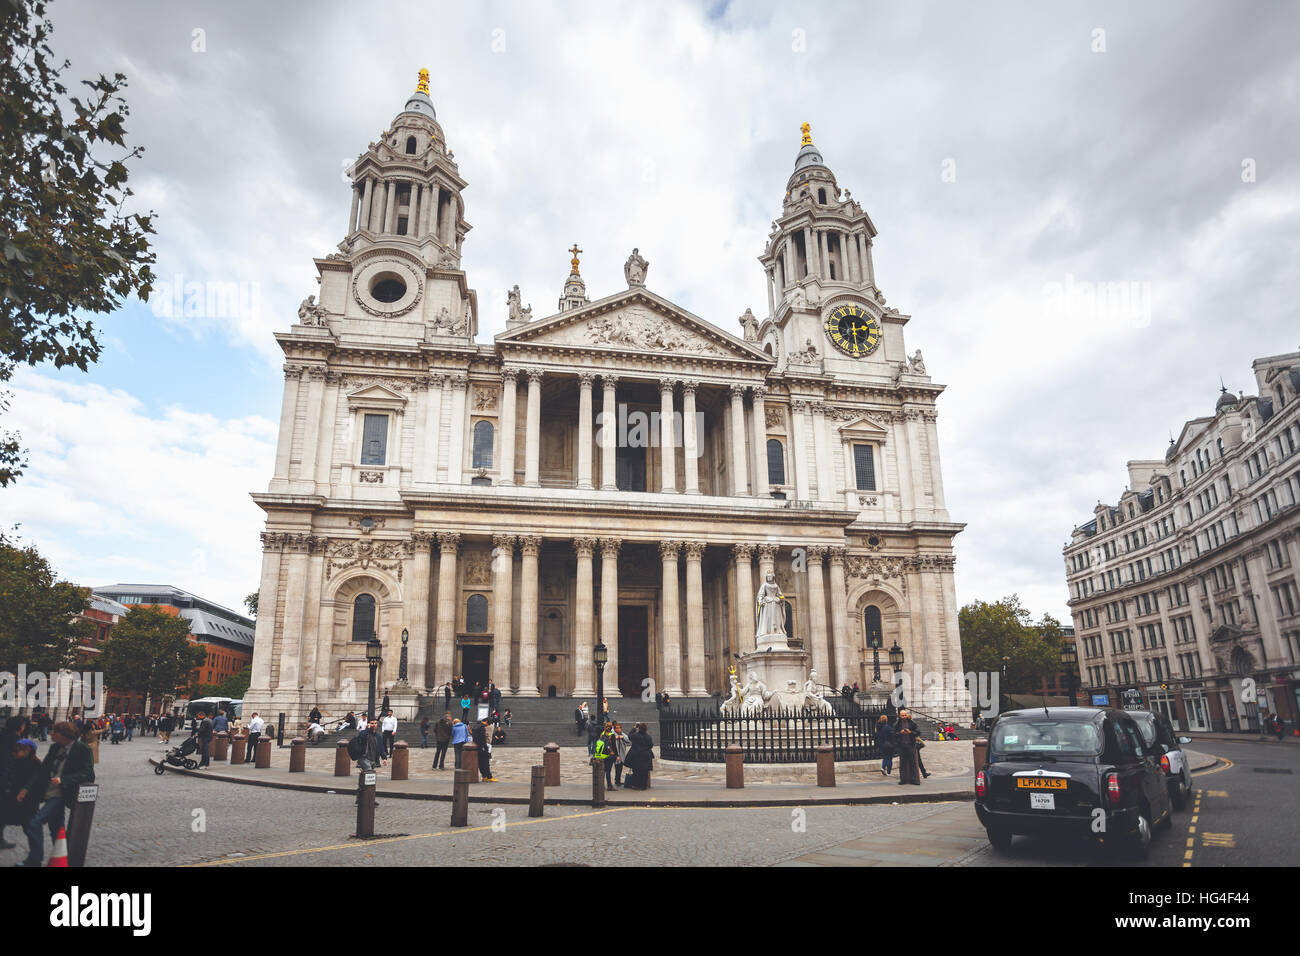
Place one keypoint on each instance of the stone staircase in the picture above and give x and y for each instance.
(537, 721)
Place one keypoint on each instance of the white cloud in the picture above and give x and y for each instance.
(113, 492)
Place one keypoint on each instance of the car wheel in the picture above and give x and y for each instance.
(160, 769)
(999, 838)
(1140, 839)
(1179, 793)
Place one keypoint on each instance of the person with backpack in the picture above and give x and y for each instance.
(604, 751)
(484, 751)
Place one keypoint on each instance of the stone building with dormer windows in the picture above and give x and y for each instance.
(621, 471)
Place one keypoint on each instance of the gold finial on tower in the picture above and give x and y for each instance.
(807, 135)
(574, 261)
(423, 85)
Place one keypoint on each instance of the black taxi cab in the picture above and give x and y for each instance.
(1081, 770)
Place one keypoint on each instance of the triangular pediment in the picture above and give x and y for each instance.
(375, 395)
(635, 321)
(865, 427)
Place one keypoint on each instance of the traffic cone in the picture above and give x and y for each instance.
(59, 855)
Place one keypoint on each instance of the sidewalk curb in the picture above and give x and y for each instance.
(942, 796)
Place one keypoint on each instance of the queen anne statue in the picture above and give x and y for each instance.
(770, 630)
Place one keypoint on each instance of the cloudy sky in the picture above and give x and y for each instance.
(1015, 158)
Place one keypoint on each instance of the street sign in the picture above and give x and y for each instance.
(1101, 700)
(1132, 698)
(87, 793)
(370, 779)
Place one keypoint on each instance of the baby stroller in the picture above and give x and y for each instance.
(180, 756)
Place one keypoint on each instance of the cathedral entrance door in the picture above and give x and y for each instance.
(633, 648)
(474, 664)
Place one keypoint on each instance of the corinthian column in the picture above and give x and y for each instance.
(671, 624)
(695, 681)
(288, 412)
(759, 423)
(817, 613)
(608, 434)
(690, 439)
(533, 438)
(445, 641)
(509, 383)
(840, 637)
(584, 621)
(268, 604)
(739, 477)
(390, 207)
(417, 607)
(503, 569)
(584, 430)
(609, 611)
(667, 443)
(530, 545)
(743, 599)
(366, 203)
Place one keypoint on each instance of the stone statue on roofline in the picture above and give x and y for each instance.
(635, 269)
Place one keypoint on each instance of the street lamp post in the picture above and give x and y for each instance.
(896, 661)
(401, 665)
(1005, 693)
(374, 655)
(1070, 660)
(600, 654)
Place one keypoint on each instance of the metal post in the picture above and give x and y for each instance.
(279, 736)
(537, 791)
(460, 799)
(597, 782)
(365, 804)
(551, 761)
(80, 817)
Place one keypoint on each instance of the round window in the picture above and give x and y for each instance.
(387, 287)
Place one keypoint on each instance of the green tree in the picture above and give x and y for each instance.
(149, 652)
(40, 622)
(990, 632)
(250, 602)
(68, 247)
(235, 686)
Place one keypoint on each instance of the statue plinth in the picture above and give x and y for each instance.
(404, 701)
(782, 670)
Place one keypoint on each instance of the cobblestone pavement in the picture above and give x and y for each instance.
(146, 819)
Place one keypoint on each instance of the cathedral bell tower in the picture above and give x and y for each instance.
(826, 312)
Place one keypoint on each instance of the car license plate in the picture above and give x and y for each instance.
(1041, 783)
(1042, 801)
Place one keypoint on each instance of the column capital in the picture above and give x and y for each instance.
(316, 373)
(742, 552)
(506, 542)
(816, 552)
(449, 542)
(689, 387)
(584, 547)
(668, 550)
(530, 544)
(422, 539)
(509, 374)
(667, 385)
(457, 380)
(695, 550)
(767, 552)
(737, 392)
(585, 379)
(535, 375)
(435, 379)
(609, 547)
(799, 406)
(608, 380)
(838, 555)
(759, 392)
(293, 370)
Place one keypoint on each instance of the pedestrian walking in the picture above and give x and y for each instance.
(424, 733)
(389, 728)
(441, 740)
(908, 738)
(484, 744)
(68, 764)
(459, 738)
(886, 744)
(165, 728)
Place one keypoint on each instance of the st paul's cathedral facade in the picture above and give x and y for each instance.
(621, 471)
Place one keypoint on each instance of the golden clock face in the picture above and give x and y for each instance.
(853, 330)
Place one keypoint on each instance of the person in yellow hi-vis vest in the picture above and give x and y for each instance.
(604, 752)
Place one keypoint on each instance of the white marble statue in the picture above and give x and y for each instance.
(754, 696)
(769, 614)
(812, 697)
(732, 704)
(635, 269)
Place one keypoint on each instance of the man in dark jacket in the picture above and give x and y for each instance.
(442, 738)
(204, 733)
(480, 734)
(68, 764)
(15, 729)
(20, 796)
(372, 748)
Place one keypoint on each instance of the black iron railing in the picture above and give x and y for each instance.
(772, 737)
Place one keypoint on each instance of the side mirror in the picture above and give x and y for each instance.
(1184, 740)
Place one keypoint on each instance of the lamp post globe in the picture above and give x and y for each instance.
(896, 661)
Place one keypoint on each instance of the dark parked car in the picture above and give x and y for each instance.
(1080, 770)
(1158, 735)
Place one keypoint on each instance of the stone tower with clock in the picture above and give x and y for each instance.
(455, 503)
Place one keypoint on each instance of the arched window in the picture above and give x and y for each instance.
(821, 196)
(482, 444)
(775, 462)
(363, 617)
(410, 144)
(476, 609)
(871, 624)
